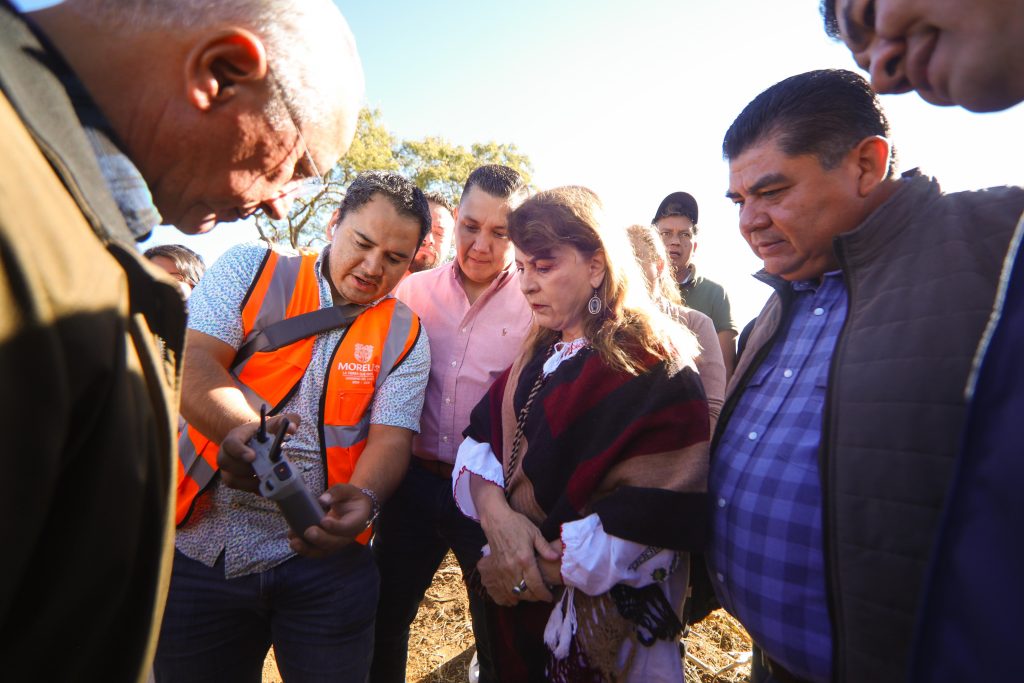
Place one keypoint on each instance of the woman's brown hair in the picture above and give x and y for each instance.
(630, 325)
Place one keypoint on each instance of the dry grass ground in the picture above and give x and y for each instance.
(441, 643)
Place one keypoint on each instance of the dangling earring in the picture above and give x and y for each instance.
(595, 304)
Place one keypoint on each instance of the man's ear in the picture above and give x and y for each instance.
(598, 265)
(222, 63)
(873, 156)
(332, 225)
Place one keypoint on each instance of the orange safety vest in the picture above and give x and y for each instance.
(370, 348)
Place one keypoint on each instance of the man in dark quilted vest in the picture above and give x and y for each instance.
(834, 450)
(969, 54)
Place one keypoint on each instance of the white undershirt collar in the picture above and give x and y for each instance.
(564, 351)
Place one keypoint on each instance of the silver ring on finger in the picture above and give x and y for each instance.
(520, 588)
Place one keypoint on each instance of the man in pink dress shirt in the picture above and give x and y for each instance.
(476, 319)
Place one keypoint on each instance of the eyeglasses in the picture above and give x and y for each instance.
(311, 185)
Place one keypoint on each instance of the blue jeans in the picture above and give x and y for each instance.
(317, 613)
(416, 528)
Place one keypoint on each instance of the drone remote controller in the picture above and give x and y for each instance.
(280, 481)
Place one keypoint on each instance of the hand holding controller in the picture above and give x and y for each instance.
(280, 481)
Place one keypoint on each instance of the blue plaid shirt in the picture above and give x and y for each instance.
(767, 557)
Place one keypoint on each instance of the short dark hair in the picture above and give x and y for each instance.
(828, 14)
(678, 204)
(189, 263)
(407, 199)
(440, 200)
(496, 180)
(825, 113)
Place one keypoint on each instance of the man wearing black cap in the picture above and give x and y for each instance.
(676, 221)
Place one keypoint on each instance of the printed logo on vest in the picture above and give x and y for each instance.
(360, 371)
(364, 352)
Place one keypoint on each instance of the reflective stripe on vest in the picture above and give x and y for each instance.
(360, 364)
(354, 377)
(286, 286)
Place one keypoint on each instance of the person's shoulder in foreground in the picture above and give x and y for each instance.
(967, 54)
(116, 140)
(92, 388)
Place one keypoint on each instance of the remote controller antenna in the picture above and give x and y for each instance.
(275, 452)
(261, 435)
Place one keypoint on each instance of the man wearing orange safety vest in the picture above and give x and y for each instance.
(320, 339)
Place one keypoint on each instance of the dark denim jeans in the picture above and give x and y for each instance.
(317, 613)
(415, 530)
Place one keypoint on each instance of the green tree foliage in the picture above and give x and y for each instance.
(373, 148)
(437, 165)
(433, 163)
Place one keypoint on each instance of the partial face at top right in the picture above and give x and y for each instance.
(952, 52)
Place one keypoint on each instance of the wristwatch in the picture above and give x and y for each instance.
(374, 507)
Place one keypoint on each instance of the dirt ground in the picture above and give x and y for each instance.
(441, 643)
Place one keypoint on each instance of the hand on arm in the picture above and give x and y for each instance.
(551, 570)
(517, 547)
(380, 468)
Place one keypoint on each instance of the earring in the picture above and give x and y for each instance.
(595, 304)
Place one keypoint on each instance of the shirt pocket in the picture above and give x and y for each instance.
(807, 426)
(347, 407)
(818, 398)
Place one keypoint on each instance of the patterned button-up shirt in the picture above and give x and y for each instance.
(767, 555)
(248, 529)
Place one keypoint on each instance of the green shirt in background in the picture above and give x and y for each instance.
(708, 297)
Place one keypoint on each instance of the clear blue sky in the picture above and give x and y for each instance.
(632, 100)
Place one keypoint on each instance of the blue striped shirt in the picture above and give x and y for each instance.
(767, 556)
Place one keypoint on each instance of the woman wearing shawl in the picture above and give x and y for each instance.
(586, 462)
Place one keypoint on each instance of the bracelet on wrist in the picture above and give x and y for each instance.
(374, 507)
